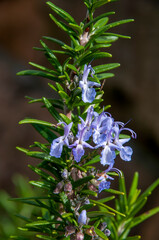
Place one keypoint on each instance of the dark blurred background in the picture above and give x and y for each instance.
(133, 92)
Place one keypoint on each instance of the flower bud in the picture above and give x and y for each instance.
(58, 188)
(68, 187)
(79, 236)
(107, 232)
(90, 232)
(84, 39)
(82, 217)
(69, 230)
(64, 174)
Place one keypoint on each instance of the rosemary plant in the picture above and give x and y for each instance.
(82, 138)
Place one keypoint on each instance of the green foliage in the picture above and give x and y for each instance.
(130, 205)
(14, 213)
(62, 199)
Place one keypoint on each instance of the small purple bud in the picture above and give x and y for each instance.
(82, 219)
(64, 174)
(58, 188)
(107, 232)
(87, 201)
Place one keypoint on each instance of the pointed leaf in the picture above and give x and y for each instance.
(94, 56)
(92, 161)
(133, 187)
(93, 214)
(144, 216)
(100, 234)
(51, 109)
(39, 74)
(82, 181)
(107, 207)
(61, 13)
(105, 67)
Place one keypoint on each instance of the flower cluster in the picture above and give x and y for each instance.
(105, 134)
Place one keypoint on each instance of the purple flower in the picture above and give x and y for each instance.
(125, 151)
(87, 124)
(58, 143)
(82, 219)
(105, 140)
(88, 92)
(103, 185)
(107, 135)
(79, 145)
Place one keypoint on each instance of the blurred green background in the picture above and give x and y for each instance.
(133, 92)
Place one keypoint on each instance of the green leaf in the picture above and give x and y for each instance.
(103, 200)
(44, 237)
(92, 161)
(30, 120)
(104, 76)
(89, 192)
(123, 198)
(67, 17)
(43, 174)
(117, 35)
(106, 207)
(51, 109)
(43, 68)
(65, 118)
(39, 74)
(59, 87)
(44, 132)
(133, 188)
(105, 67)
(101, 3)
(19, 238)
(112, 191)
(100, 234)
(105, 39)
(72, 67)
(43, 156)
(97, 18)
(54, 40)
(100, 23)
(93, 214)
(79, 167)
(42, 223)
(89, 57)
(52, 56)
(82, 181)
(115, 24)
(41, 146)
(76, 27)
(133, 238)
(57, 103)
(63, 26)
(137, 206)
(150, 189)
(97, 47)
(53, 87)
(42, 184)
(64, 95)
(144, 216)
